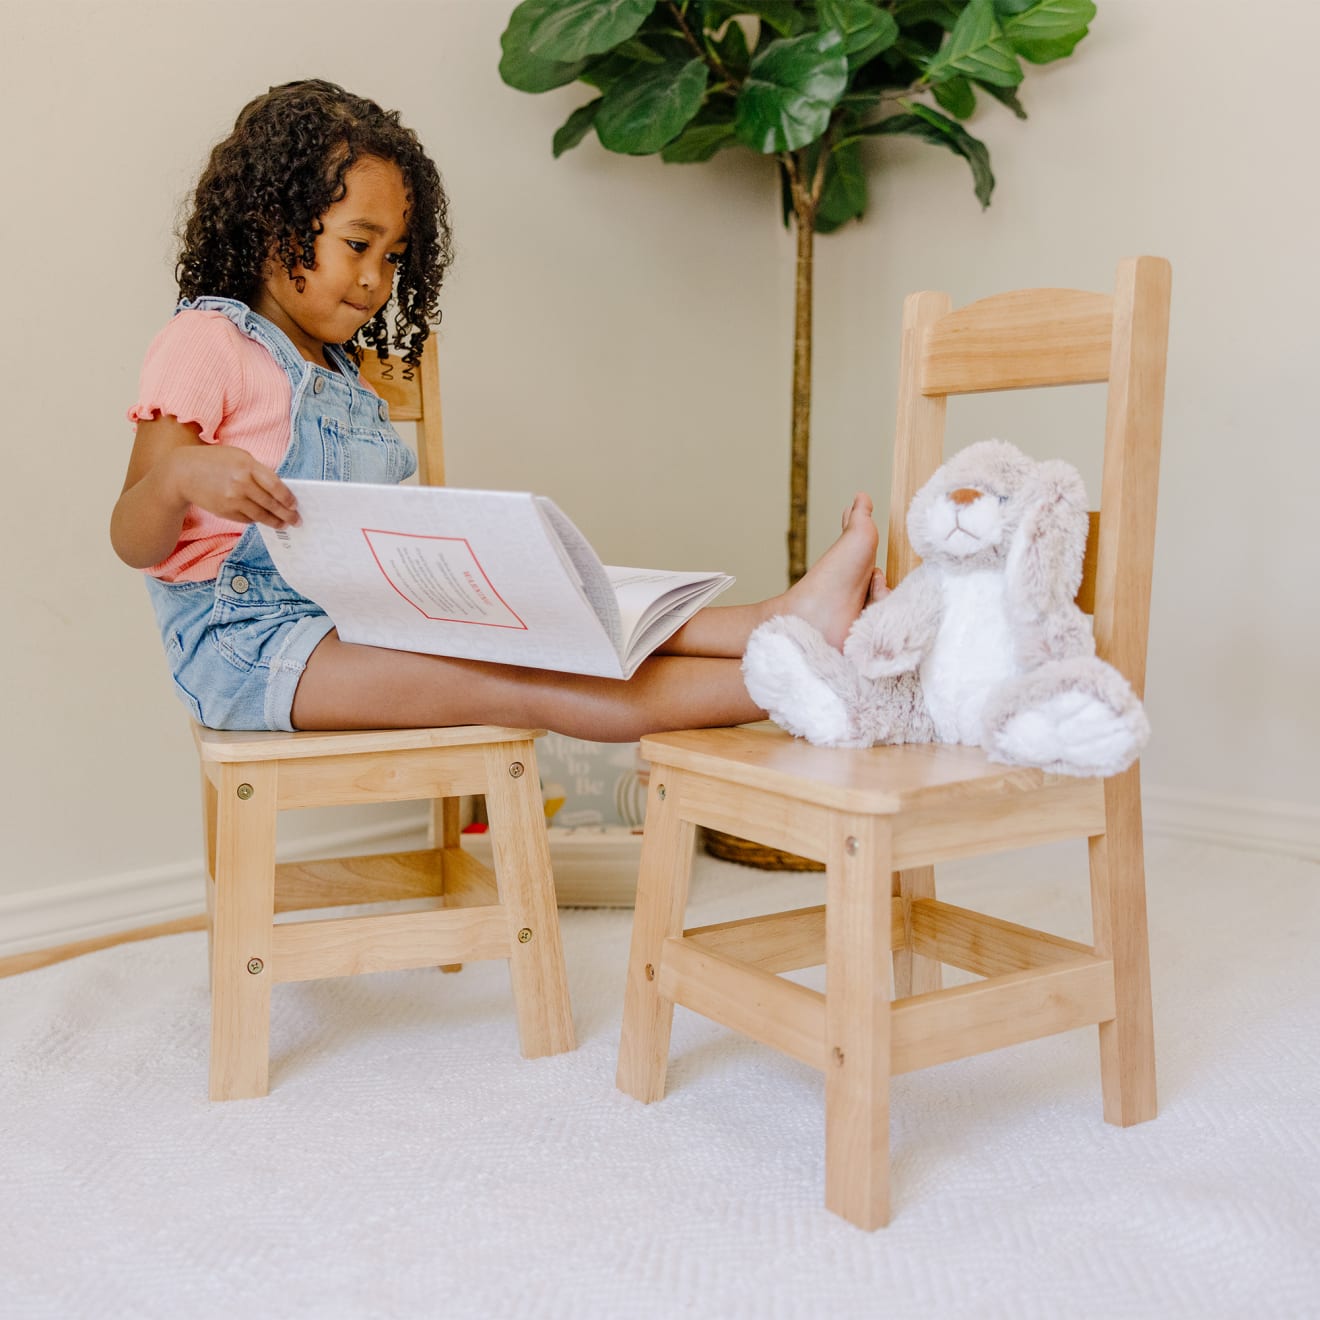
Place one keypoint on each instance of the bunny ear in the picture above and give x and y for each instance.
(1044, 564)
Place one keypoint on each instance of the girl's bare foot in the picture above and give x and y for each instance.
(839, 585)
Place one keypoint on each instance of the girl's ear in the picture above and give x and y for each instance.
(1044, 565)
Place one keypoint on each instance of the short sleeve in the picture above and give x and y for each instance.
(193, 370)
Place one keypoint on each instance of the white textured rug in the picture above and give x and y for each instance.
(409, 1163)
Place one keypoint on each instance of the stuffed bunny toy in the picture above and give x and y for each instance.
(980, 644)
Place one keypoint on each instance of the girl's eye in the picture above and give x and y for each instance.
(394, 258)
(356, 244)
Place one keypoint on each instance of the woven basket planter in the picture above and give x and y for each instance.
(730, 848)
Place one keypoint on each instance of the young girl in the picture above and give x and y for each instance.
(316, 215)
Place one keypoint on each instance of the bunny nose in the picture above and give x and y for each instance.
(965, 495)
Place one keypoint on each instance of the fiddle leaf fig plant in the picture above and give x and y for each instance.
(801, 82)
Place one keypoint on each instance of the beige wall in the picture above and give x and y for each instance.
(617, 334)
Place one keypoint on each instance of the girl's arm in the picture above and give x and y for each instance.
(172, 467)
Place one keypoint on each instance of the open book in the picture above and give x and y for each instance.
(480, 574)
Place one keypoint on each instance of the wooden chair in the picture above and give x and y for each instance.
(249, 778)
(881, 818)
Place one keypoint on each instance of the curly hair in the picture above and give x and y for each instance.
(267, 185)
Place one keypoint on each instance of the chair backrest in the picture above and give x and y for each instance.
(1036, 337)
(413, 395)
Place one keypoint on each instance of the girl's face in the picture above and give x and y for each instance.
(363, 238)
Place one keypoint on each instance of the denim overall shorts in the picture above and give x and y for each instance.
(237, 645)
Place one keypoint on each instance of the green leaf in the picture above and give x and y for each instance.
(866, 30)
(568, 30)
(977, 48)
(785, 196)
(524, 70)
(640, 115)
(1046, 30)
(860, 103)
(1046, 52)
(843, 196)
(915, 52)
(943, 12)
(576, 127)
(784, 16)
(957, 97)
(880, 46)
(1005, 95)
(732, 50)
(605, 70)
(639, 50)
(791, 88)
(1043, 20)
(931, 126)
(699, 142)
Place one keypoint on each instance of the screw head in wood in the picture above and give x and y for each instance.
(255, 966)
(516, 770)
(524, 935)
(660, 792)
(245, 791)
(650, 972)
(851, 845)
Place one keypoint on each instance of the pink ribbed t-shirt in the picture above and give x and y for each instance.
(204, 370)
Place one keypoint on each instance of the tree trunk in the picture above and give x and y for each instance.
(804, 220)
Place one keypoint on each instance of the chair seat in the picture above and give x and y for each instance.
(227, 745)
(944, 800)
(873, 780)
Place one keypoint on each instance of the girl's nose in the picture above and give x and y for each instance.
(373, 274)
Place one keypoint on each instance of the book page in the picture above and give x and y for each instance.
(655, 603)
(582, 560)
(473, 574)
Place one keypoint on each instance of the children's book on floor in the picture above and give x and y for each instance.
(493, 575)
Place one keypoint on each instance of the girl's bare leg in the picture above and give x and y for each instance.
(697, 684)
(364, 687)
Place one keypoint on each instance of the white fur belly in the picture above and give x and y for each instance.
(973, 652)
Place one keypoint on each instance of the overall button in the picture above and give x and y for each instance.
(383, 413)
(318, 385)
(239, 585)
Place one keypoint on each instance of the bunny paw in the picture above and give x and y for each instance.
(804, 684)
(1072, 718)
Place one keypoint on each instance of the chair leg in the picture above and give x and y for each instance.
(244, 913)
(1118, 909)
(445, 834)
(915, 974)
(527, 893)
(858, 925)
(662, 891)
(209, 807)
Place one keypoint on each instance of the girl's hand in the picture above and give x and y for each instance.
(231, 484)
(171, 467)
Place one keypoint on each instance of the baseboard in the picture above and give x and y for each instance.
(592, 869)
(1252, 824)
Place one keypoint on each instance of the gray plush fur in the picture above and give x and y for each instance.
(981, 644)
